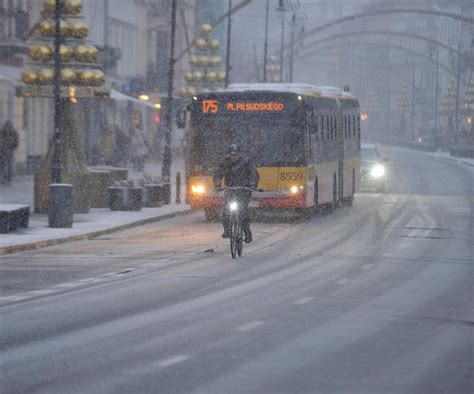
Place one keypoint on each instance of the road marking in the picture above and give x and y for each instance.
(366, 266)
(304, 300)
(69, 284)
(41, 292)
(251, 325)
(90, 280)
(343, 281)
(14, 298)
(171, 361)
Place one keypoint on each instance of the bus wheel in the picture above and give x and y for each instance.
(211, 214)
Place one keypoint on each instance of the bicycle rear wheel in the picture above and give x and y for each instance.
(234, 236)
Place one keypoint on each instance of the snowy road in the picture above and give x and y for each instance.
(376, 298)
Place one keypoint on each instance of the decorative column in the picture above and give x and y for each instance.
(79, 77)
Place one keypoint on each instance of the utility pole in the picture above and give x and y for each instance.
(436, 98)
(458, 72)
(292, 48)
(281, 8)
(413, 100)
(227, 56)
(265, 48)
(166, 169)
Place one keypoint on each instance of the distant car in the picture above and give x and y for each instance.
(372, 169)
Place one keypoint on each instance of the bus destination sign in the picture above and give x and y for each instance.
(213, 106)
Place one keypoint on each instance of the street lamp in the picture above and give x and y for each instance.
(297, 19)
(282, 10)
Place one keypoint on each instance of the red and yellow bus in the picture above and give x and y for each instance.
(304, 140)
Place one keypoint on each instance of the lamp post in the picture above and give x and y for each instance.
(297, 19)
(227, 56)
(166, 169)
(56, 161)
(282, 9)
(265, 47)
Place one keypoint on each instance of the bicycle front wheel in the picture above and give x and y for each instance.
(234, 236)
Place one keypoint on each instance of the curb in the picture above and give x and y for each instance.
(87, 236)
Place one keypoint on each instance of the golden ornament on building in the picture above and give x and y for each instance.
(46, 28)
(193, 60)
(211, 76)
(198, 76)
(205, 90)
(98, 78)
(221, 76)
(203, 61)
(183, 92)
(188, 76)
(206, 28)
(49, 5)
(216, 61)
(92, 54)
(79, 30)
(81, 53)
(214, 44)
(73, 7)
(192, 90)
(45, 76)
(40, 53)
(65, 28)
(201, 44)
(66, 53)
(85, 77)
(68, 76)
(29, 76)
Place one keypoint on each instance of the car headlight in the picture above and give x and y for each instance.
(377, 171)
(233, 206)
(198, 189)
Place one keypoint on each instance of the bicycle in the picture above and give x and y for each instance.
(235, 225)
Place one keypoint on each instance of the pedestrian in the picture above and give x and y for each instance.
(122, 149)
(8, 145)
(138, 148)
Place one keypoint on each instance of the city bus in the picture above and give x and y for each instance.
(304, 140)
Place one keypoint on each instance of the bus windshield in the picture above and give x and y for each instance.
(270, 140)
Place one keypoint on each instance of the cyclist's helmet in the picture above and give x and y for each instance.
(233, 148)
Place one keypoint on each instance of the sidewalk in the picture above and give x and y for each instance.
(441, 155)
(97, 222)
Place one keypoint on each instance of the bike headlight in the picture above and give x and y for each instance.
(198, 189)
(233, 206)
(377, 171)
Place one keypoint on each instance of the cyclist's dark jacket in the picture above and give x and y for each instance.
(241, 173)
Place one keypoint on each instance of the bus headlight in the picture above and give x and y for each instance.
(198, 189)
(233, 206)
(377, 171)
(296, 189)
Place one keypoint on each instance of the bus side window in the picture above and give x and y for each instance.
(316, 128)
(345, 127)
(358, 127)
(354, 124)
(349, 126)
(327, 127)
(331, 128)
(335, 127)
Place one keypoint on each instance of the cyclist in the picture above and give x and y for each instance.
(238, 171)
